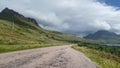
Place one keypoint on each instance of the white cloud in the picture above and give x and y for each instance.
(72, 16)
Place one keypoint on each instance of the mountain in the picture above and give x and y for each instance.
(104, 36)
(9, 14)
(18, 29)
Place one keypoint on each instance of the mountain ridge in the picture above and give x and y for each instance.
(104, 36)
(12, 14)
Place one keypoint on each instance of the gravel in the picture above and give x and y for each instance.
(50, 57)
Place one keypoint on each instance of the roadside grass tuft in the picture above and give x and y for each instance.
(10, 48)
(105, 60)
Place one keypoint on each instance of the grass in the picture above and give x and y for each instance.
(10, 48)
(108, 49)
(26, 35)
(105, 60)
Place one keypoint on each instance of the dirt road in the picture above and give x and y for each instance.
(50, 57)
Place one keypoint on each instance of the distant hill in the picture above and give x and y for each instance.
(104, 36)
(18, 29)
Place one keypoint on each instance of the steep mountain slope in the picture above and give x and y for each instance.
(17, 29)
(104, 36)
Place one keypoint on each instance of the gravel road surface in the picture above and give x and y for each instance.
(49, 57)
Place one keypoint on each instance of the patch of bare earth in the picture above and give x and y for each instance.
(50, 57)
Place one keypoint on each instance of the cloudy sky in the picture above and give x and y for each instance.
(79, 17)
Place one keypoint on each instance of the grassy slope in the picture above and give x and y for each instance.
(22, 38)
(22, 34)
(28, 34)
(105, 60)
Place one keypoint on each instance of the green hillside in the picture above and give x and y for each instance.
(17, 29)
